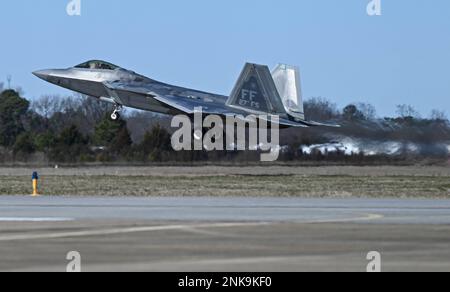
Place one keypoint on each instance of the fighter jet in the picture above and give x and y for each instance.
(257, 92)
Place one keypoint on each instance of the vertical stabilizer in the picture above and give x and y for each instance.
(255, 92)
(287, 82)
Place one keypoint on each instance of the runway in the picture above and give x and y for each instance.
(223, 234)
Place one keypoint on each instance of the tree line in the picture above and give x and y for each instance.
(78, 129)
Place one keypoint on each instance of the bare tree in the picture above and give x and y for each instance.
(83, 111)
(1, 87)
(141, 122)
(407, 111)
(93, 108)
(48, 105)
(369, 112)
(438, 115)
(318, 108)
(71, 104)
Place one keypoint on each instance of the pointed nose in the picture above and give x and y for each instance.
(43, 74)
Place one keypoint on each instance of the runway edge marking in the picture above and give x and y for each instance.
(35, 219)
(368, 217)
(122, 231)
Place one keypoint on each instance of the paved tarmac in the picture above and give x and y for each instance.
(223, 234)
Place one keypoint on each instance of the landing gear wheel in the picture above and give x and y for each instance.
(116, 113)
(115, 116)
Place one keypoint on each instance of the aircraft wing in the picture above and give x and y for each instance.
(185, 101)
(179, 99)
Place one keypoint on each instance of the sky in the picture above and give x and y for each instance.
(345, 55)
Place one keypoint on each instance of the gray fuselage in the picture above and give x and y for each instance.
(92, 82)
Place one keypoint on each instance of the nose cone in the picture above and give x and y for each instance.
(43, 74)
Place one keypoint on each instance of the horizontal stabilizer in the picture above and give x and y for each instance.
(317, 124)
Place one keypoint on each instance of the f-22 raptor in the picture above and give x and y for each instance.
(257, 92)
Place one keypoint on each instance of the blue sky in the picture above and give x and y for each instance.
(346, 56)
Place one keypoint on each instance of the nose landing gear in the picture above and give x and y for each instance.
(116, 113)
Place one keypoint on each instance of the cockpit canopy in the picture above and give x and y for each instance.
(96, 64)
